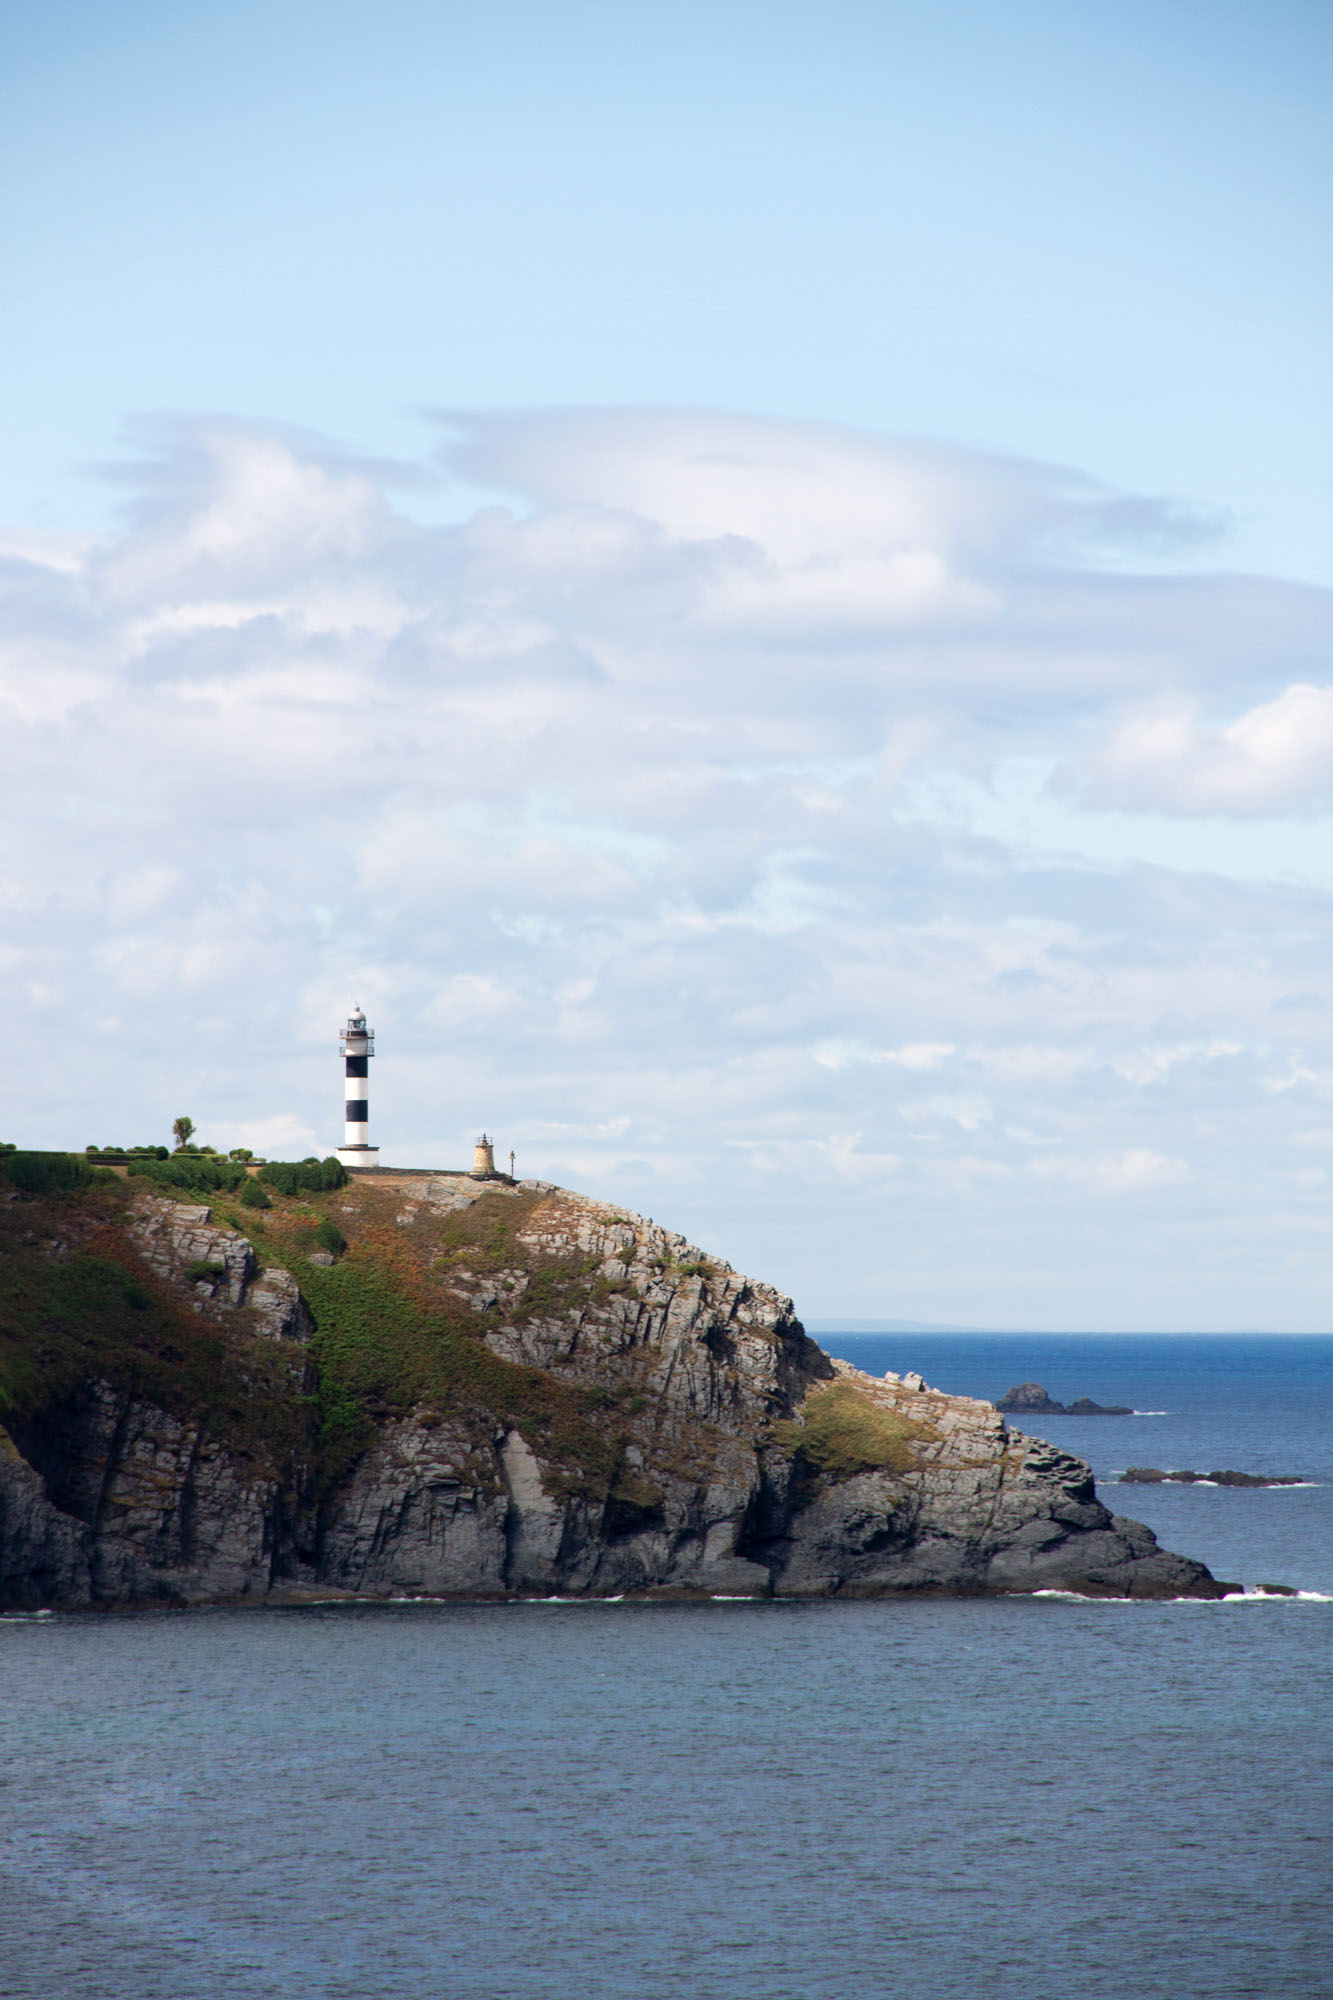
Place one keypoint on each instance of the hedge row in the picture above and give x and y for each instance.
(44, 1173)
(51, 1173)
(191, 1170)
(304, 1176)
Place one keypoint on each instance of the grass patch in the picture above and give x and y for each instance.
(382, 1351)
(845, 1433)
(98, 1312)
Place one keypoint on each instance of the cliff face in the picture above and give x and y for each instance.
(491, 1391)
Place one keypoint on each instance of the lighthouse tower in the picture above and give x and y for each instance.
(357, 1045)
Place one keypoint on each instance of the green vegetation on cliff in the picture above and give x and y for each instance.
(78, 1305)
(396, 1332)
(393, 1334)
(844, 1433)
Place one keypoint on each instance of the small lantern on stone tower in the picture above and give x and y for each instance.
(483, 1158)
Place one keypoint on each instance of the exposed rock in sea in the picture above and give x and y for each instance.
(1031, 1400)
(1149, 1475)
(493, 1391)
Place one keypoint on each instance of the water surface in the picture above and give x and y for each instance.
(716, 1802)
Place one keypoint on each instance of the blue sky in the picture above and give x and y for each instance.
(757, 578)
(1087, 234)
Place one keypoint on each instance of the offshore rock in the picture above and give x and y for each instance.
(1149, 1475)
(497, 1391)
(1030, 1399)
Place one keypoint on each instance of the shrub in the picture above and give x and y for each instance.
(253, 1196)
(45, 1173)
(241, 1153)
(194, 1171)
(304, 1176)
(201, 1268)
(330, 1237)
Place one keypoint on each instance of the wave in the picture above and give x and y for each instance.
(1253, 1596)
(1270, 1597)
(620, 1599)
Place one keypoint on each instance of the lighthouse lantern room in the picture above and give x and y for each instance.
(356, 1045)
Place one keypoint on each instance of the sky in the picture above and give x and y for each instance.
(755, 582)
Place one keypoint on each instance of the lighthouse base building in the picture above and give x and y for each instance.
(356, 1045)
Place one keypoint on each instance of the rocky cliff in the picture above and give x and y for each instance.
(490, 1390)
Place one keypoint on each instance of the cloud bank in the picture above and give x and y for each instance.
(605, 801)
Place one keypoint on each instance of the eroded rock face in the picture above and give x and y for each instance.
(177, 1238)
(985, 1509)
(117, 1502)
(714, 1488)
(107, 1498)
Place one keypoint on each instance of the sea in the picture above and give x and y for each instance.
(1045, 1797)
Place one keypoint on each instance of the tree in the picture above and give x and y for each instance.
(182, 1131)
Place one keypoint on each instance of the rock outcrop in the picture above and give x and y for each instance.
(1031, 1400)
(495, 1391)
(179, 1241)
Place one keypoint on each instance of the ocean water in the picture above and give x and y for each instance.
(716, 1802)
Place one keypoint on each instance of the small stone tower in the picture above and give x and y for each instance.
(483, 1159)
(357, 1045)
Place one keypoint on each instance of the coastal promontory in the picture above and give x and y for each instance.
(435, 1385)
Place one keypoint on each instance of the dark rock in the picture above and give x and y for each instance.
(1253, 1479)
(1031, 1399)
(1149, 1475)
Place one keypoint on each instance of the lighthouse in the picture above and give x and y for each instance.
(356, 1045)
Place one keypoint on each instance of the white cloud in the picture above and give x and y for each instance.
(1136, 1171)
(1275, 757)
(1152, 1064)
(631, 811)
(283, 1136)
(968, 1113)
(912, 1055)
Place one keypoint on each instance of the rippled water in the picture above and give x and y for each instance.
(621, 1801)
